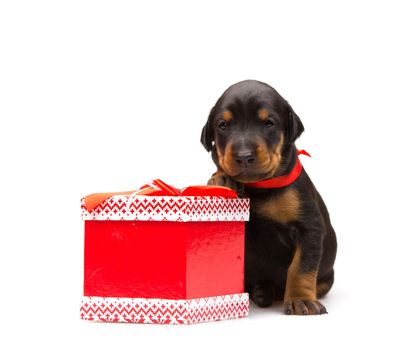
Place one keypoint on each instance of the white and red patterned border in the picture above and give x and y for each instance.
(141, 310)
(169, 208)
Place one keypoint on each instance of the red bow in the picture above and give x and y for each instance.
(160, 188)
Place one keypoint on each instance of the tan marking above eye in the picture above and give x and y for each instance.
(227, 116)
(263, 114)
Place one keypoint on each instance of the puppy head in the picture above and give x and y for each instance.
(247, 130)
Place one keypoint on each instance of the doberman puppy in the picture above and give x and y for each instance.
(290, 243)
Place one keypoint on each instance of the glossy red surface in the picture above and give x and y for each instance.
(170, 260)
(215, 259)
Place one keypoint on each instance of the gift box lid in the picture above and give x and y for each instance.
(161, 202)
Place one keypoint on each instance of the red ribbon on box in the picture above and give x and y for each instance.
(160, 188)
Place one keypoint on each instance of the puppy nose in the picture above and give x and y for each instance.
(244, 158)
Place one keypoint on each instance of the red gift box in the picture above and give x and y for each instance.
(160, 255)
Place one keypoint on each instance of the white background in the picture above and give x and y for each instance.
(105, 95)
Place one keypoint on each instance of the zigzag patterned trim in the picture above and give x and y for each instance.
(170, 208)
(141, 310)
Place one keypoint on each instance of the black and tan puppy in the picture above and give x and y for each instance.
(290, 243)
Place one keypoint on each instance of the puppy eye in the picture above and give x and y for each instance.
(268, 123)
(222, 125)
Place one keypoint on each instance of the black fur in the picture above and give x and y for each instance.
(270, 244)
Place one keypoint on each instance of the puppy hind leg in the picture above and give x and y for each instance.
(263, 294)
(324, 284)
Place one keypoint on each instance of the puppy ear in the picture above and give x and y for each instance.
(294, 126)
(206, 134)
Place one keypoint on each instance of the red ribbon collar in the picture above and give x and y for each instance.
(284, 180)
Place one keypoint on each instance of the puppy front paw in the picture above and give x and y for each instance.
(304, 307)
(221, 179)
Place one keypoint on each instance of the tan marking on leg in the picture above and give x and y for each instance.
(300, 286)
